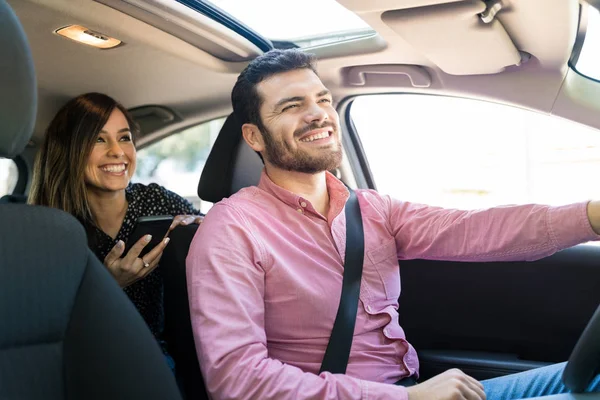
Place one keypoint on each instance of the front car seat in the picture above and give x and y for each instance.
(231, 165)
(68, 330)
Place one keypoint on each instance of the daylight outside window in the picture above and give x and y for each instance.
(588, 62)
(306, 23)
(9, 175)
(176, 162)
(469, 154)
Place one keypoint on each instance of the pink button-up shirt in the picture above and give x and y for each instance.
(265, 277)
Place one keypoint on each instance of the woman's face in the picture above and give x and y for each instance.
(112, 160)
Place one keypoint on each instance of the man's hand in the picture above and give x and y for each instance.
(593, 212)
(450, 385)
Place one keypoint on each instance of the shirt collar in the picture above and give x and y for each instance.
(338, 194)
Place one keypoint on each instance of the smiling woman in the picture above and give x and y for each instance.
(112, 158)
(84, 168)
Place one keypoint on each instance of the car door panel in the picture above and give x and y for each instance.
(479, 364)
(513, 315)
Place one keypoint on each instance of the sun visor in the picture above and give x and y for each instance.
(455, 38)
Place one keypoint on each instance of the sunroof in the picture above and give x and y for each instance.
(304, 23)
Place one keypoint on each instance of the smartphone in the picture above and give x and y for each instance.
(155, 225)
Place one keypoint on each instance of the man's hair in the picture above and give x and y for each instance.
(245, 98)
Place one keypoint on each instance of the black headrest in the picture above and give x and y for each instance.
(18, 95)
(231, 164)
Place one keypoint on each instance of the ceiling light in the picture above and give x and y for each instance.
(84, 35)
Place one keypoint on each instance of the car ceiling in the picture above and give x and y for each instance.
(157, 68)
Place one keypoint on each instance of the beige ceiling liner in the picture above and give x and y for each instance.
(454, 37)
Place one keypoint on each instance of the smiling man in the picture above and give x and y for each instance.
(265, 269)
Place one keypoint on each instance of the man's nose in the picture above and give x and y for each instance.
(316, 113)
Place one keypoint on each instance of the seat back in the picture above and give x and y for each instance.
(68, 330)
(178, 331)
(230, 166)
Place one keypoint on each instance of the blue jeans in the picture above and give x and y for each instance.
(533, 383)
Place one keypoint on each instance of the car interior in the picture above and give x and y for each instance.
(60, 337)
(409, 78)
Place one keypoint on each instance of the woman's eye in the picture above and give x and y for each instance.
(126, 138)
(99, 140)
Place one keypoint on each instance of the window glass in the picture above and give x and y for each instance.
(9, 175)
(468, 154)
(176, 161)
(588, 62)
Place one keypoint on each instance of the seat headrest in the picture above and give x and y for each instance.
(18, 92)
(231, 164)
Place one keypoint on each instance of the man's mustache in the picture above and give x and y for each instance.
(315, 125)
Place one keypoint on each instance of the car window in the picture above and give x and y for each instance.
(469, 154)
(587, 61)
(176, 161)
(9, 175)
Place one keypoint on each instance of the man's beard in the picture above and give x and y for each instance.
(281, 155)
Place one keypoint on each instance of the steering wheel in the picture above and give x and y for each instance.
(584, 362)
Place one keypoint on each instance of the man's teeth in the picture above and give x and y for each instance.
(316, 137)
(114, 168)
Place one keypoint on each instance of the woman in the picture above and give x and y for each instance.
(84, 168)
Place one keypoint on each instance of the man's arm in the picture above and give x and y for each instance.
(507, 233)
(226, 285)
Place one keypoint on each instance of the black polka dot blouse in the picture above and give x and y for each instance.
(146, 294)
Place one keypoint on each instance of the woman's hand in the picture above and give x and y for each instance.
(132, 268)
(186, 220)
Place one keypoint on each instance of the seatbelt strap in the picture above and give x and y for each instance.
(340, 341)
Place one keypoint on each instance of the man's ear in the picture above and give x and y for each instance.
(253, 137)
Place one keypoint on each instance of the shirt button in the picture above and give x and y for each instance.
(299, 210)
(369, 309)
(303, 204)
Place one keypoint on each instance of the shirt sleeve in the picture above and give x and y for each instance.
(508, 233)
(226, 272)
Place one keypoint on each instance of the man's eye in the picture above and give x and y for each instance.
(325, 100)
(289, 107)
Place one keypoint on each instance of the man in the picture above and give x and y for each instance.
(265, 268)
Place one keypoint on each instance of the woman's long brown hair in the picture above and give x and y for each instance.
(58, 174)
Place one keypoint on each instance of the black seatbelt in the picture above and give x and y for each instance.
(340, 342)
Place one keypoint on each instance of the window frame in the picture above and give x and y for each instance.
(579, 41)
(357, 157)
(230, 22)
